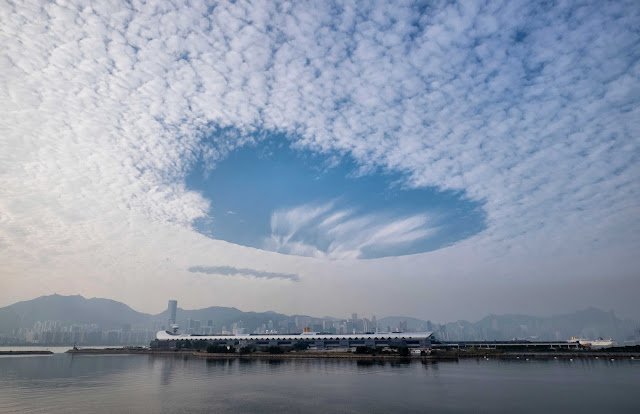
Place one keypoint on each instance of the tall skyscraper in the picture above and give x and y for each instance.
(173, 307)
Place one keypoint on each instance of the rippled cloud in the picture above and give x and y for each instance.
(530, 108)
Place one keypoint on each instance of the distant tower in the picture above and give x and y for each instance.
(173, 306)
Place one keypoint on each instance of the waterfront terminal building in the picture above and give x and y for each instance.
(315, 340)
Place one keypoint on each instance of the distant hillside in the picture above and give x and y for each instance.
(108, 314)
(589, 323)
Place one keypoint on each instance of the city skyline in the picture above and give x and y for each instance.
(67, 320)
(444, 161)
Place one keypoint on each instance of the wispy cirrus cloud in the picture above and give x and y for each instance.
(329, 232)
(234, 271)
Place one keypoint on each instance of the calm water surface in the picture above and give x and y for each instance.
(54, 349)
(175, 384)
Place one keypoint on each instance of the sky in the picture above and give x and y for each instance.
(443, 160)
(294, 203)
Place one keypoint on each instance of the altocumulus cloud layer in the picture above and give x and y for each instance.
(529, 108)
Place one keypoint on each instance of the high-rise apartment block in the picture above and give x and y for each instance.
(173, 307)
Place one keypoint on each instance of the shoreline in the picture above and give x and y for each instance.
(348, 355)
(323, 355)
(12, 352)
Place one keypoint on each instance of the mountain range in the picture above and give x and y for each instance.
(112, 315)
(109, 314)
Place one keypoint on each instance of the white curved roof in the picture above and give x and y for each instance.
(165, 336)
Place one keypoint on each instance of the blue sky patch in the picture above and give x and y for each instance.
(273, 197)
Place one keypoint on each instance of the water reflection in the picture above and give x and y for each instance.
(219, 363)
(64, 383)
(165, 370)
(431, 364)
(363, 363)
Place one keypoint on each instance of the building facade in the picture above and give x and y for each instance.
(416, 340)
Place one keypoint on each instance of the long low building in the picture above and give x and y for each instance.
(165, 339)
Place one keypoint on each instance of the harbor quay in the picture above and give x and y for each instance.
(436, 354)
(414, 341)
(382, 345)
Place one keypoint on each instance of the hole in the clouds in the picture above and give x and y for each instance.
(520, 36)
(272, 197)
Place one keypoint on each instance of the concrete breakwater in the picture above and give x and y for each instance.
(554, 355)
(124, 351)
(26, 353)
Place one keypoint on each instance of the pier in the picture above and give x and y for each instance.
(515, 345)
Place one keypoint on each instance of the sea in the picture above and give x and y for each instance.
(64, 383)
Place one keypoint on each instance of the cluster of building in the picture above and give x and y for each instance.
(55, 332)
(316, 333)
(296, 324)
(336, 326)
(418, 341)
(292, 325)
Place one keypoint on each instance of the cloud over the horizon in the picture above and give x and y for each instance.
(531, 108)
(234, 271)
